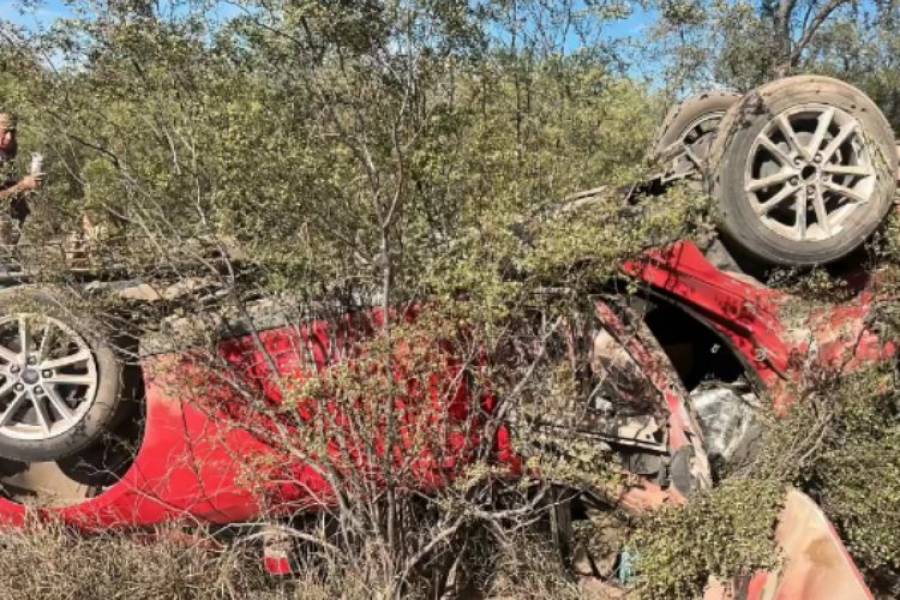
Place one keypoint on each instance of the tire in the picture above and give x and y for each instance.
(697, 117)
(96, 405)
(754, 165)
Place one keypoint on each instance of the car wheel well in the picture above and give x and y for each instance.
(697, 352)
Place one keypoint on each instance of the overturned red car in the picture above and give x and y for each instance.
(803, 170)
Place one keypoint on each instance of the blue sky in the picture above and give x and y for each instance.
(39, 14)
(49, 10)
(626, 33)
(53, 9)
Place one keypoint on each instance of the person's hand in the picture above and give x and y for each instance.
(31, 183)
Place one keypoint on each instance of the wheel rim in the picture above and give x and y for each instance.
(698, 137)
(697, 140)
(48, 377)
(809, 170)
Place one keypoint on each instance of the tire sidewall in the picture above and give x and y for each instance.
(743, 123)
(681, 116)
(105, 410)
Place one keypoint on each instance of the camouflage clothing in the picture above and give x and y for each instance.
(13, 215)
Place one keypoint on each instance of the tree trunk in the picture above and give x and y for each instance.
(781, 29)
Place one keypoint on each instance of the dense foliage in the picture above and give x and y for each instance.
(378, 153)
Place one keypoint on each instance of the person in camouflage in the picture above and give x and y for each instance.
(12, 190)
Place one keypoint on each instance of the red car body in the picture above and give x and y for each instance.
(193, 459)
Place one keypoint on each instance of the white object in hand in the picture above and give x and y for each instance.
(37, 164)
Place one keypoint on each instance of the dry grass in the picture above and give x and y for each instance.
(48, 561)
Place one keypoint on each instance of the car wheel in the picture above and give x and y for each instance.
(689, 130)
(803, 171)
(62, 385)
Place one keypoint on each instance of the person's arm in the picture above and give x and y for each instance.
(27, 184)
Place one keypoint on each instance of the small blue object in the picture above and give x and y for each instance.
(625, 573)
